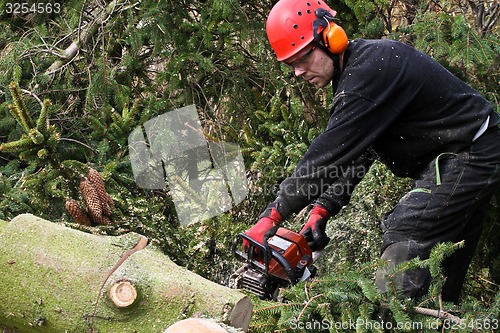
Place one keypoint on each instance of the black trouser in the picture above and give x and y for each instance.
(448, 203)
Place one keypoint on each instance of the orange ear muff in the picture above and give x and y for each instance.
(335, 38)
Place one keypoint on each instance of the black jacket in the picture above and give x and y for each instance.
(392, 103)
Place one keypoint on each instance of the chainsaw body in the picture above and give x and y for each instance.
(284, 260)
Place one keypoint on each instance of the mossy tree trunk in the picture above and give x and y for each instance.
(56, 279)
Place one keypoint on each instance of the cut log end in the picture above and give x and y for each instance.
(123, 293)
(195, 325)
(241, 314)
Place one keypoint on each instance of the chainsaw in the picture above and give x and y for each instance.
(283, 260)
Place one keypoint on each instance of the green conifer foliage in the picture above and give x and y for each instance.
(137, 60)
(454, 42)
(348, 301)
(39, 139)
(47, 172)
(278, 135)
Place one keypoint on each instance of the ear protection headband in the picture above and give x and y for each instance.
(331, 35)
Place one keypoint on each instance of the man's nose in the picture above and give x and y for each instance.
(298, 71)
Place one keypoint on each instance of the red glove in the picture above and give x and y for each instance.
(265, 227)
(314, 229)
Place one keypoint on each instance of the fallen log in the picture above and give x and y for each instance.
(196, 325)
(57, 279)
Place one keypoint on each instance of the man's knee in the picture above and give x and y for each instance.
(412, 283)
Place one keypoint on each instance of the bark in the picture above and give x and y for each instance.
(57, 279)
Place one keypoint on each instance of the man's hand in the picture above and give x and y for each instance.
(314, 229)
(265, 227)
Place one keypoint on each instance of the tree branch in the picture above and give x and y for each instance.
(84, 36)
(439, 314)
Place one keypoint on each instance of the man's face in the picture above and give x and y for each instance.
(313, 65)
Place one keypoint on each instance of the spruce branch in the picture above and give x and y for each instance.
(32, 94)
(36, 136)
(439, 314)
(42, 122)
(117, 131)
(16, 146)
(39, 140)
(85, 35)
(78, 142)
(19, 110)
(308, 304)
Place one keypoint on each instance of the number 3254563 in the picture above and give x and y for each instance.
(38, 8)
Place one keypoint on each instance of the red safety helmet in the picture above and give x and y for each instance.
(291, 23)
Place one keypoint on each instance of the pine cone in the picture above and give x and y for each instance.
(102, 220)
(77, 213)
(106, 202)
(95, 178)
(91, 199)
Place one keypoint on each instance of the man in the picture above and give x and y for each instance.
(399, 106)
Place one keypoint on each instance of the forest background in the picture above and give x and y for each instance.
(108, 66)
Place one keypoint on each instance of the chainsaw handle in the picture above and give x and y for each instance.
(249, 254)
(269, 253)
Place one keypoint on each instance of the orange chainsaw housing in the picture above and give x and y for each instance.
(283, 260)
(293, 247)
